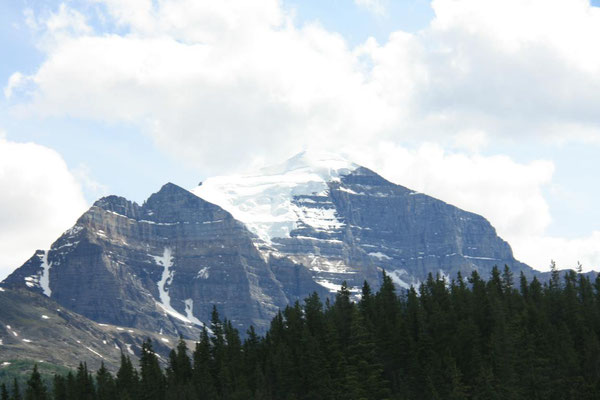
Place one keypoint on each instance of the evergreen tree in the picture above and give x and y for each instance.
(59, 387)
(3, 392)
(451, 340)
(16, 392)
(152, 382)
(201, 374)
(84, 383)
(35, 387)
(127, 381)
(105, 383)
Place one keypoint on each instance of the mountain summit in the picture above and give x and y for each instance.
(344, 222)
(252, 244)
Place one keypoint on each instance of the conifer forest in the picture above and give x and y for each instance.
(461, 339)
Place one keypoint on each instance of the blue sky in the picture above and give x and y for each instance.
(507, 107)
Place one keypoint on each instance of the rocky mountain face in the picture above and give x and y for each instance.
(36, 328)
(344, 222)
(250, 245)
(162, 266)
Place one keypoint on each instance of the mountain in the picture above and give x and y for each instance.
(250, 245)
(36, 328)
(344, 222)
(162, 266)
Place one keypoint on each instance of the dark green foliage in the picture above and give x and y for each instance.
(105, 383)
(127, 382)
(16, 392)
(3, 392)
(152, 382)
(459, 340)
(35, 387)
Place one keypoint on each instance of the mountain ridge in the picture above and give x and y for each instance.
(255, 244)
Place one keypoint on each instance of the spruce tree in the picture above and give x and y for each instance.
(3, 392)
(36, 390)
(152, 383)
(201, 375)
(105, 384)
(127, 381)
(84, 383)
(16, 392)
(59, 387)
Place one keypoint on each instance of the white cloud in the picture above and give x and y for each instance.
(376, 7)
(508, 193)
(213, 82)
(40, 199)
(538, 251)
(471, 140)
(14, 81)
(223, 84)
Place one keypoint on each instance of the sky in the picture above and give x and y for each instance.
(491, 106)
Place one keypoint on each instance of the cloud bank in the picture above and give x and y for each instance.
(40, 200)
(222, 85)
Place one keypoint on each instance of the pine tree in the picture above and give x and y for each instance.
(106, 386)
(3, 392)
(59, 387)
(84, 383)
(202, 378)
(365, 372)
(35, 387)
(152, 383)
(127, 381)
(16, 392)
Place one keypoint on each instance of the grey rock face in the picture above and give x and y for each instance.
(381, 225)
(162, 266)
(35, 327)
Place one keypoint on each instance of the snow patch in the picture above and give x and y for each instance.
(265, 201)
(45, 317)
(480, 258)
(380, 256)
(189, 312)
(164, 340)
(129, 348)
(5, 364)
(401, 278)
(329, 285)
(1, 290)
(166, 261)
(203, 273)
(94, 351)
(27, 340)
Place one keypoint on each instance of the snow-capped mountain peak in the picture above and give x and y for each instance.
(266, 201)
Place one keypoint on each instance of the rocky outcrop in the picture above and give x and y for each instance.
(36, 328)
(162, 266)
(375, 224)
(344, 222)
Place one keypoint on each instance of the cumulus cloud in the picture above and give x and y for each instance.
(539, 250)
(223, 84)
(508, 193)
(220, 82)
(40, 199)
(376, 7)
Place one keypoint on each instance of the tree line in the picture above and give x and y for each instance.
(463, 339)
